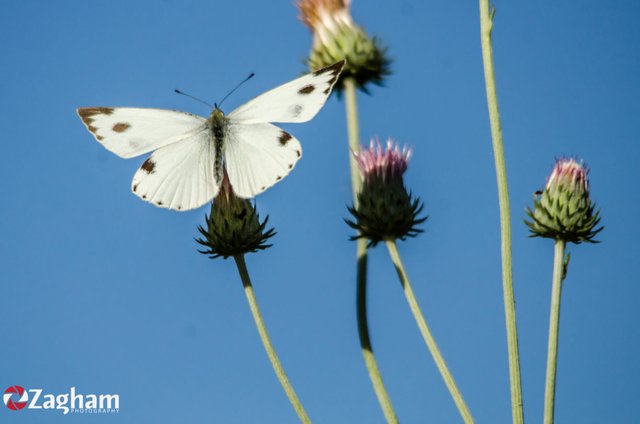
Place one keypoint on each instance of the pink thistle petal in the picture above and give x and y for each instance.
(571, 173)
(389, 163)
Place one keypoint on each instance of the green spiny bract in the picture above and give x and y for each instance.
(564, 210)
(233, 226)
(386, 212)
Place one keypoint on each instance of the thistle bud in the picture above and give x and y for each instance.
(337, 37)
(233, 226)
(385, 210)
(564, 211)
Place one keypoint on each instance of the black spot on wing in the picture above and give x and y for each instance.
(307, 89)
(298, 153)
(278, 178)
(331, 82)
(135, 187)
(87, 114)
(333, 69)
(148, 166)
(284, 138)
(296, 110)
(121, 127)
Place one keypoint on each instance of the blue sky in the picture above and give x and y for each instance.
(107, 293)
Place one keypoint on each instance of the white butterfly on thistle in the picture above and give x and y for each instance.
(191, 154)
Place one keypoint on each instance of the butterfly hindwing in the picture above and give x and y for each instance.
(296, 101)
(130, 132)
(257, 156)
(179, 176)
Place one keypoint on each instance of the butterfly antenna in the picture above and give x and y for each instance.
(194, 98)
(235, 88)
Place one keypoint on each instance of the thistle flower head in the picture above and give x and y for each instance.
(385, 209)
(324, 17)
(564, 210)
(336, 36)
(233, 226)
(376, 162)
(570, 175)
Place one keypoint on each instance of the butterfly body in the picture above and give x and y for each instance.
(191, 153)
(218, 126)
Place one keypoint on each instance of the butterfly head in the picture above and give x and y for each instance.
(217, 117)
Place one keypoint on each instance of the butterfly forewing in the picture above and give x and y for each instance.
(179, 176)
(257, 156)
(296, 101)
(130, 132)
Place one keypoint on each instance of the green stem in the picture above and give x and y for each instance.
(266, 341)
(354, 135)
(361, 277)
(486, 25)
(426, 333)
(365, 342)
(554, 327)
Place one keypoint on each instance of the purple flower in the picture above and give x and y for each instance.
(385, 210)
(389, 164)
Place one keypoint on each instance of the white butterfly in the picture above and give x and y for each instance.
(191, 153)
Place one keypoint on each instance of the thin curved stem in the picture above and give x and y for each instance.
(365, 341)
(266, 341)
(426, 333)
(554, 330)
(361, 256)
(486, 25)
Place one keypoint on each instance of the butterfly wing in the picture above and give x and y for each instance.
(257, 156)
(180, 173)
(296, 101)
(130, 132)
(179, 176)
